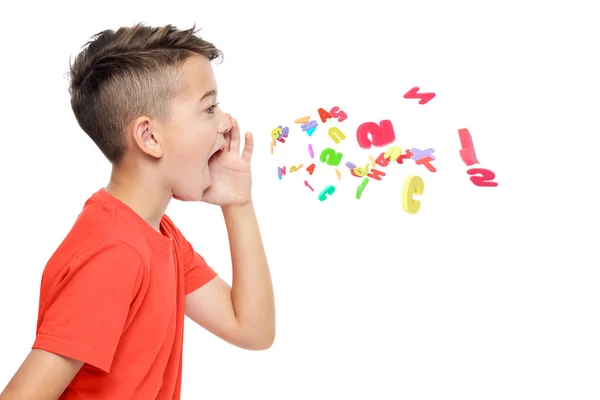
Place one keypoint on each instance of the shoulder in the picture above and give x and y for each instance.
(96, 266)
(95, 242)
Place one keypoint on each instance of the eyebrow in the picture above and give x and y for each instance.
(208, 94)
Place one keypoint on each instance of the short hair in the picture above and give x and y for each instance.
(123, 74)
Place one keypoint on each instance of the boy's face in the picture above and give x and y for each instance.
(194, 132)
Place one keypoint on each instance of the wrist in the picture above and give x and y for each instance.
(238, 208)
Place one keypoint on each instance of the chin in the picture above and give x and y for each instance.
(188, 198)
(192, 192)
(195, 195)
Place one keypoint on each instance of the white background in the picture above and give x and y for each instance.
(486, 293)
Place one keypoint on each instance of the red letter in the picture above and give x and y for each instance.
(375, 174)
(382, 160)
(468, 150)
(485, 179)
(324, 115)
(339, 114)
(406, 156)
(426, 161)
(381, 135)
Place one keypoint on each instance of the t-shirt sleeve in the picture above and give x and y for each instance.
(86, 308)
(197, 271)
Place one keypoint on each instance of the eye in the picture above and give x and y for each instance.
(211, 109)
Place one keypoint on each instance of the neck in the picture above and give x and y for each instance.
(138, 189)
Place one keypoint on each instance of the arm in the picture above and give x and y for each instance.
(42, 376)
(83, 308)
(243, 314)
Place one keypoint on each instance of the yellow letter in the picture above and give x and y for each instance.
(362, 171)
(393, 153)
(275, 133)
(336, 135)
(412, 185)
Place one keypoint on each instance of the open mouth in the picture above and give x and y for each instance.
(216, 152)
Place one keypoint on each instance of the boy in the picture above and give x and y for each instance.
(114, 294)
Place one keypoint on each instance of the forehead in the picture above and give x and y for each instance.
(197, 74)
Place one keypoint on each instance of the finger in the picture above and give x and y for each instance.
(248, 146)
(227, 137)
(227, 133)
(234, 146)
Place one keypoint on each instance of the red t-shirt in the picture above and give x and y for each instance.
(112, 296)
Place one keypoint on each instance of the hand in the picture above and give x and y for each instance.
(232, 178)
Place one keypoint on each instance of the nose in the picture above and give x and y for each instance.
(224, 124)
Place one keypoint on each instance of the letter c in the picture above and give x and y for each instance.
(328, 191)
(412, 185)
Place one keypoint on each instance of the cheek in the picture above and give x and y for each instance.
(194, 157)
(192, 145)
(179, 158)
(183, 146)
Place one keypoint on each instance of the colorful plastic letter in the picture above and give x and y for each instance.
(361, 171)
(467, 153)
(426, 162)
(331, 157)
(406, 156)
(336, 135)
(328, 191)
(309, 125)
(412, 185)
(360, 188)
(280, 172)
(337, 113)
(375, 174)
(382, 160)
(486, 178)
(324, 115)
(276, 133)
(420, 154)
(387, 134)
(393, 153)
(311, 168)
(364, 130)
(414, 94)
(310, 131)
(381, 135)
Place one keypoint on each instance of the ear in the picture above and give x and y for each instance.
(145, 138)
